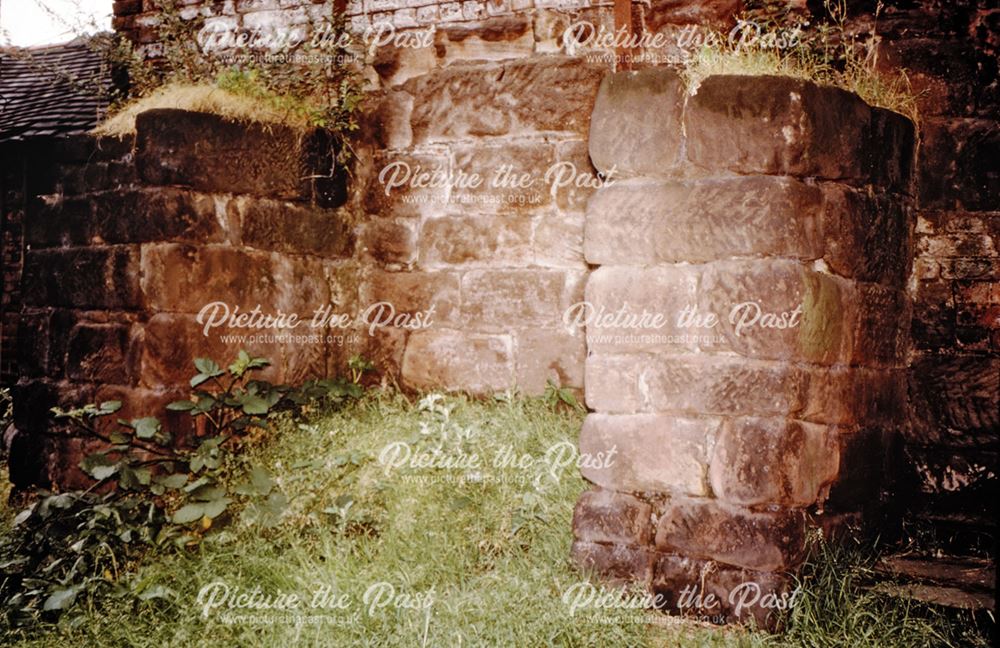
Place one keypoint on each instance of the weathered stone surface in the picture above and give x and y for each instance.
(41, 342)
(392, 120)
(501, 38)
(520, 97)
(131, 216)
(606, 516)
(448, 359)
(643, 221)
(96, 277)
(501, 299)
(636, 309)
(709, 529)
(779, 126)
(184, 278)
(957, 168)
(171, 342)
(779, 310)
(881, 334)
(868, 237)
(409, 184)
(894, 139)
(573, 178)
(636, 126)
(558, 240)
(208, 153)
(758, 461)
(648, 452)
(390, 241)
(102, 353)
(544, 355)
(287, 227)
(616, 564)
(714, 593)
(861, 473)
(502, 240)
(955, 400)
(415, 292)
(505, 179)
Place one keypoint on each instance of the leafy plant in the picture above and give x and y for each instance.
(556, 396)
(153, 487)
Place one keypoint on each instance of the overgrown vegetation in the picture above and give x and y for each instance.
(152, 490)
(770, 41)
(313, 83)
(351, 499)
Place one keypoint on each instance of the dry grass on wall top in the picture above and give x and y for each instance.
(202, 97)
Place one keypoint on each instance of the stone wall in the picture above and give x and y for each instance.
(130, 241)
(951, 51)
(768, 224)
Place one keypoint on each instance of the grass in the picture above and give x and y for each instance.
(200, 97)
(827, 56)
(486, 547)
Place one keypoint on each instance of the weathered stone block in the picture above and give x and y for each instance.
(643, 221)
(636, 126)
(616, 564)
(648, 452)
(415, 292)
(208, 153)
(505, 179)
(390, 241)
(636, 309)
(955, 400)
(606, 516)
(501, 299)
(96, 277)
(558, 240)
(409, 184)
(779, 126)
(448, 359)
(956, 164)
(184, 278)
(758, 461)
(881, 335)
(544, 355)
(503, 240)
(104, 353)
(521, 97)
(286, 227)
(709, 529)
(779, 310)
(867, 236)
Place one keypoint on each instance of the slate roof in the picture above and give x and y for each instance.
(50, 91)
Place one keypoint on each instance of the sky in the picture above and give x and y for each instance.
(26, 22)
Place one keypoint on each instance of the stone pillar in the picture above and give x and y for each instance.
(748, 330)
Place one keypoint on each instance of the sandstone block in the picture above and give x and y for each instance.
(636, 309)
(636, 126)
(558, 240)
(712, 530)
(208, 153)
(616, 564)
(779, 126)
(96, 277)
(520, 97)
(390, 241)
(287, 227)
(544, 355)
(606, 516)
(103, 353)
(779, 310)
(648, 452)
(503, 179)
(409, 184)
(501, 299)
(415, 292)
(454, 360)
(503, 240)
(184, 278)
(643, 221)
(758, 461)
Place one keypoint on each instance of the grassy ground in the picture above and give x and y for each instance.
(448, 556)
